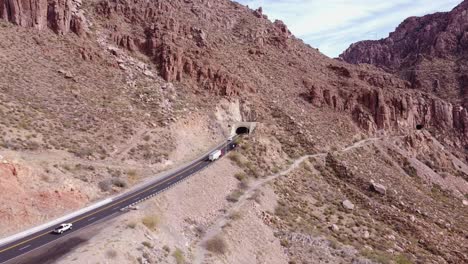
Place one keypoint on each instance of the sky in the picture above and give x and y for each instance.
(333, 25)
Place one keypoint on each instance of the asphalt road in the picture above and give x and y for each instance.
(29, 243)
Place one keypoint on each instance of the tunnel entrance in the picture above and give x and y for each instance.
(419, 127)
(242, 130)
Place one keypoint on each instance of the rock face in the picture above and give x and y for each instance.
(62, 16)
(428, 51)
(177, 47)
(374, 108)
(188, 50)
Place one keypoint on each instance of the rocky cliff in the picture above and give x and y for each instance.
(183, 49)
(219, 51)
(359, 157)
(428, 51)
(62, 16)
(374, 108)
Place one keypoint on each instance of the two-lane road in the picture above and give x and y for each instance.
(38, 239)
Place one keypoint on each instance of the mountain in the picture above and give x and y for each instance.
(430, 52)
(348, 164)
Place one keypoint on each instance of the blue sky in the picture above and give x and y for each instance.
(332, 25)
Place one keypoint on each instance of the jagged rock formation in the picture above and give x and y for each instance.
(192, 51)
(173, 45)
(181, 49)
(99, 100)
(62, 16)
(380, 109)
(428, 51)
(375, 108)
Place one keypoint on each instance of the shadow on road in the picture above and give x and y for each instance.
(50, 253)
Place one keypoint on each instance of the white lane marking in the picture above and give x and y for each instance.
(25, 247)
(65, 235)
(91, 219)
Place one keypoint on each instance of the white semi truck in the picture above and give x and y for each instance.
(215, 155)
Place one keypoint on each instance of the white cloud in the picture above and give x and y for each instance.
(333, 25)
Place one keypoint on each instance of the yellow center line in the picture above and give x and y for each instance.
(112, 204)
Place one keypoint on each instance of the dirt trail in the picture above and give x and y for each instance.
(217, 226)
(118, 153)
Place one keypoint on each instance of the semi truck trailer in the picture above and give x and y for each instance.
(215, 155)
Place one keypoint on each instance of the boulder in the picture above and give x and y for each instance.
(366, 234)
(379, 188)
(334, 228)
(258, 12)
(348, 205)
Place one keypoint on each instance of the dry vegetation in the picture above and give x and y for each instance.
(391, 228)
(216, 245)
(87, 117)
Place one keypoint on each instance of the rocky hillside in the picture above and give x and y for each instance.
(115, 91)
(430, 52)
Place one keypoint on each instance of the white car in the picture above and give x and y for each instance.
(131, 207)
(63, 227)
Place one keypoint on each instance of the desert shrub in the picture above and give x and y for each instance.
(402, 259)
(234, 196)
(237, 158)
(377, 256)
(131, 225)
(243, 185)
(150, 221)
(253, 170)
(240, 176)
(82, 152)
(235, 215)
(281, 210)
(178, 256)
(216, 245)
(46, 178)
(306, 166)
(132, 176)
(119, 183)
(147, 244)
(105, 185)
(132, 173)
(409, 169)
(112, 254)
(166, 248)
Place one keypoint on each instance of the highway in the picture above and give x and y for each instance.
(43, 237)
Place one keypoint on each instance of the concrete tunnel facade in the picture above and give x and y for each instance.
(241, 128)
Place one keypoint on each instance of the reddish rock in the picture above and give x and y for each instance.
(62, 16)
(258, 12)
(429, 51)
(177, 47)
(125, 41)
(376, 109)
(282, 33)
